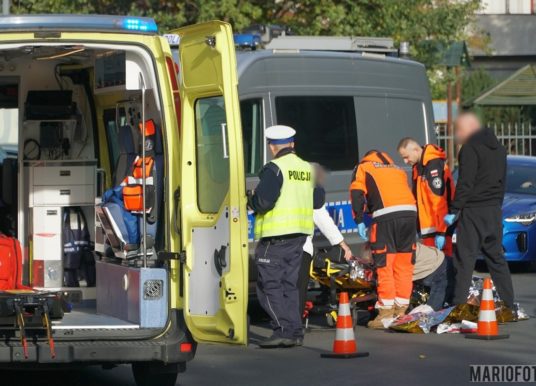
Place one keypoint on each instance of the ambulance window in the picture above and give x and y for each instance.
(252, 127)
(212, 157)
(325, 128)
(9, 117)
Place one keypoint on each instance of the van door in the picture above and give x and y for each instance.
(213, 200)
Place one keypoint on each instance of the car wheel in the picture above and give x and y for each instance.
(151, 374)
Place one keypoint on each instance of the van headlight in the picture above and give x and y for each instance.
(524, 218)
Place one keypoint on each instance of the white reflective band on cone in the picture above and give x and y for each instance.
(344, 309)
(344, 334)
(487, 295)
(486, 316)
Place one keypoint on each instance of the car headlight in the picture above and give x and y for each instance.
(524, 218)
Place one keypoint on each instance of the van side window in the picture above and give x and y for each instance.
(251, 112)
(211, 153)
(325, 128)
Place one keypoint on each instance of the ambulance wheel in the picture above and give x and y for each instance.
(151, 374)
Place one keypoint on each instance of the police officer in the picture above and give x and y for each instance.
(283, 203)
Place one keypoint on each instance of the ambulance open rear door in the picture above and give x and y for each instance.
(212, 200)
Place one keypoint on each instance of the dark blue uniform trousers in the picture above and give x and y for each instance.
(278, 263)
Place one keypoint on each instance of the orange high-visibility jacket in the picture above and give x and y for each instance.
(380, 187)
(433, 187)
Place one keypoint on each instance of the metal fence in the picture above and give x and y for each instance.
(517, 138)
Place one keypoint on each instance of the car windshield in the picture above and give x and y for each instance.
(521, 179)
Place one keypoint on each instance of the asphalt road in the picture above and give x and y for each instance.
(395, 358)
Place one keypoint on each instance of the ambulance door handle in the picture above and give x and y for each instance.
(224, 140)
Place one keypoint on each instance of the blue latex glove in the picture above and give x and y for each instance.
(439, 242)
(362, 230)
(449, 219)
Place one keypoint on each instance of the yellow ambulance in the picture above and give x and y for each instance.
(124, 184)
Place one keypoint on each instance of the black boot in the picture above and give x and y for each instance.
(277, 341)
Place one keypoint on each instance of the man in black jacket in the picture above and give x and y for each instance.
(477, 208)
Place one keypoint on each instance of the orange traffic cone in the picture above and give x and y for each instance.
(488, 328)
(344, 345)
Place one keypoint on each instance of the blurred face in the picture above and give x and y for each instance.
(465, 126)
(411, 154)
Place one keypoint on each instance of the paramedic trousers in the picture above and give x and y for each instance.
(278, 263)
(393, 250)
(479, 232)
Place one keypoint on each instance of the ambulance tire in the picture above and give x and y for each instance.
(152, 374)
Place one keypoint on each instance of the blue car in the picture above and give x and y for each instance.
(519, 210)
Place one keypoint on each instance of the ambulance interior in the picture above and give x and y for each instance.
(74, 179)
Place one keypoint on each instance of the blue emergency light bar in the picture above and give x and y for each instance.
(101, 23)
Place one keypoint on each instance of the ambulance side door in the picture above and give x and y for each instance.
(212, 200)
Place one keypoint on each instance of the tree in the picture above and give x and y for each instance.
(414, 21)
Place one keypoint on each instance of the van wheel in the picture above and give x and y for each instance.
(150, 374)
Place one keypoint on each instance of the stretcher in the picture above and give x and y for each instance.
(27, 314)
(334, 275)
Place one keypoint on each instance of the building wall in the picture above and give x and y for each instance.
(501, 7)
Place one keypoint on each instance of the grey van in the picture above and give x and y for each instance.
(341, 104)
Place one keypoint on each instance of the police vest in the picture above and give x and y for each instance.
(293, 211)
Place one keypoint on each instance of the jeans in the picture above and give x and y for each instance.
(437, 282)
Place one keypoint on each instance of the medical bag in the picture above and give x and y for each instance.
(77, 249)
(10, 263)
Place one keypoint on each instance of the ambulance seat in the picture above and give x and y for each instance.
(117, 222)
(153, 218)
(127, 154)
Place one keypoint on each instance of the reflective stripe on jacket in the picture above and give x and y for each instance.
(433, 187)
(380, 187)
(293, 211)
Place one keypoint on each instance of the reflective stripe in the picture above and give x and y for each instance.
(344, 334)
(344, 309)
(487, 316)
(139, 181)
(487, 294)
(393, 209)
(401, 301)
(382, 303)
(427, 231)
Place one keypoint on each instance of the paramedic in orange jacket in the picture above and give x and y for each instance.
(433, 187)
(380, 188)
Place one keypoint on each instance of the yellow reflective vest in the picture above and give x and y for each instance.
(293, 211)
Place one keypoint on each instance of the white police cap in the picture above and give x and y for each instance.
(280, 134)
